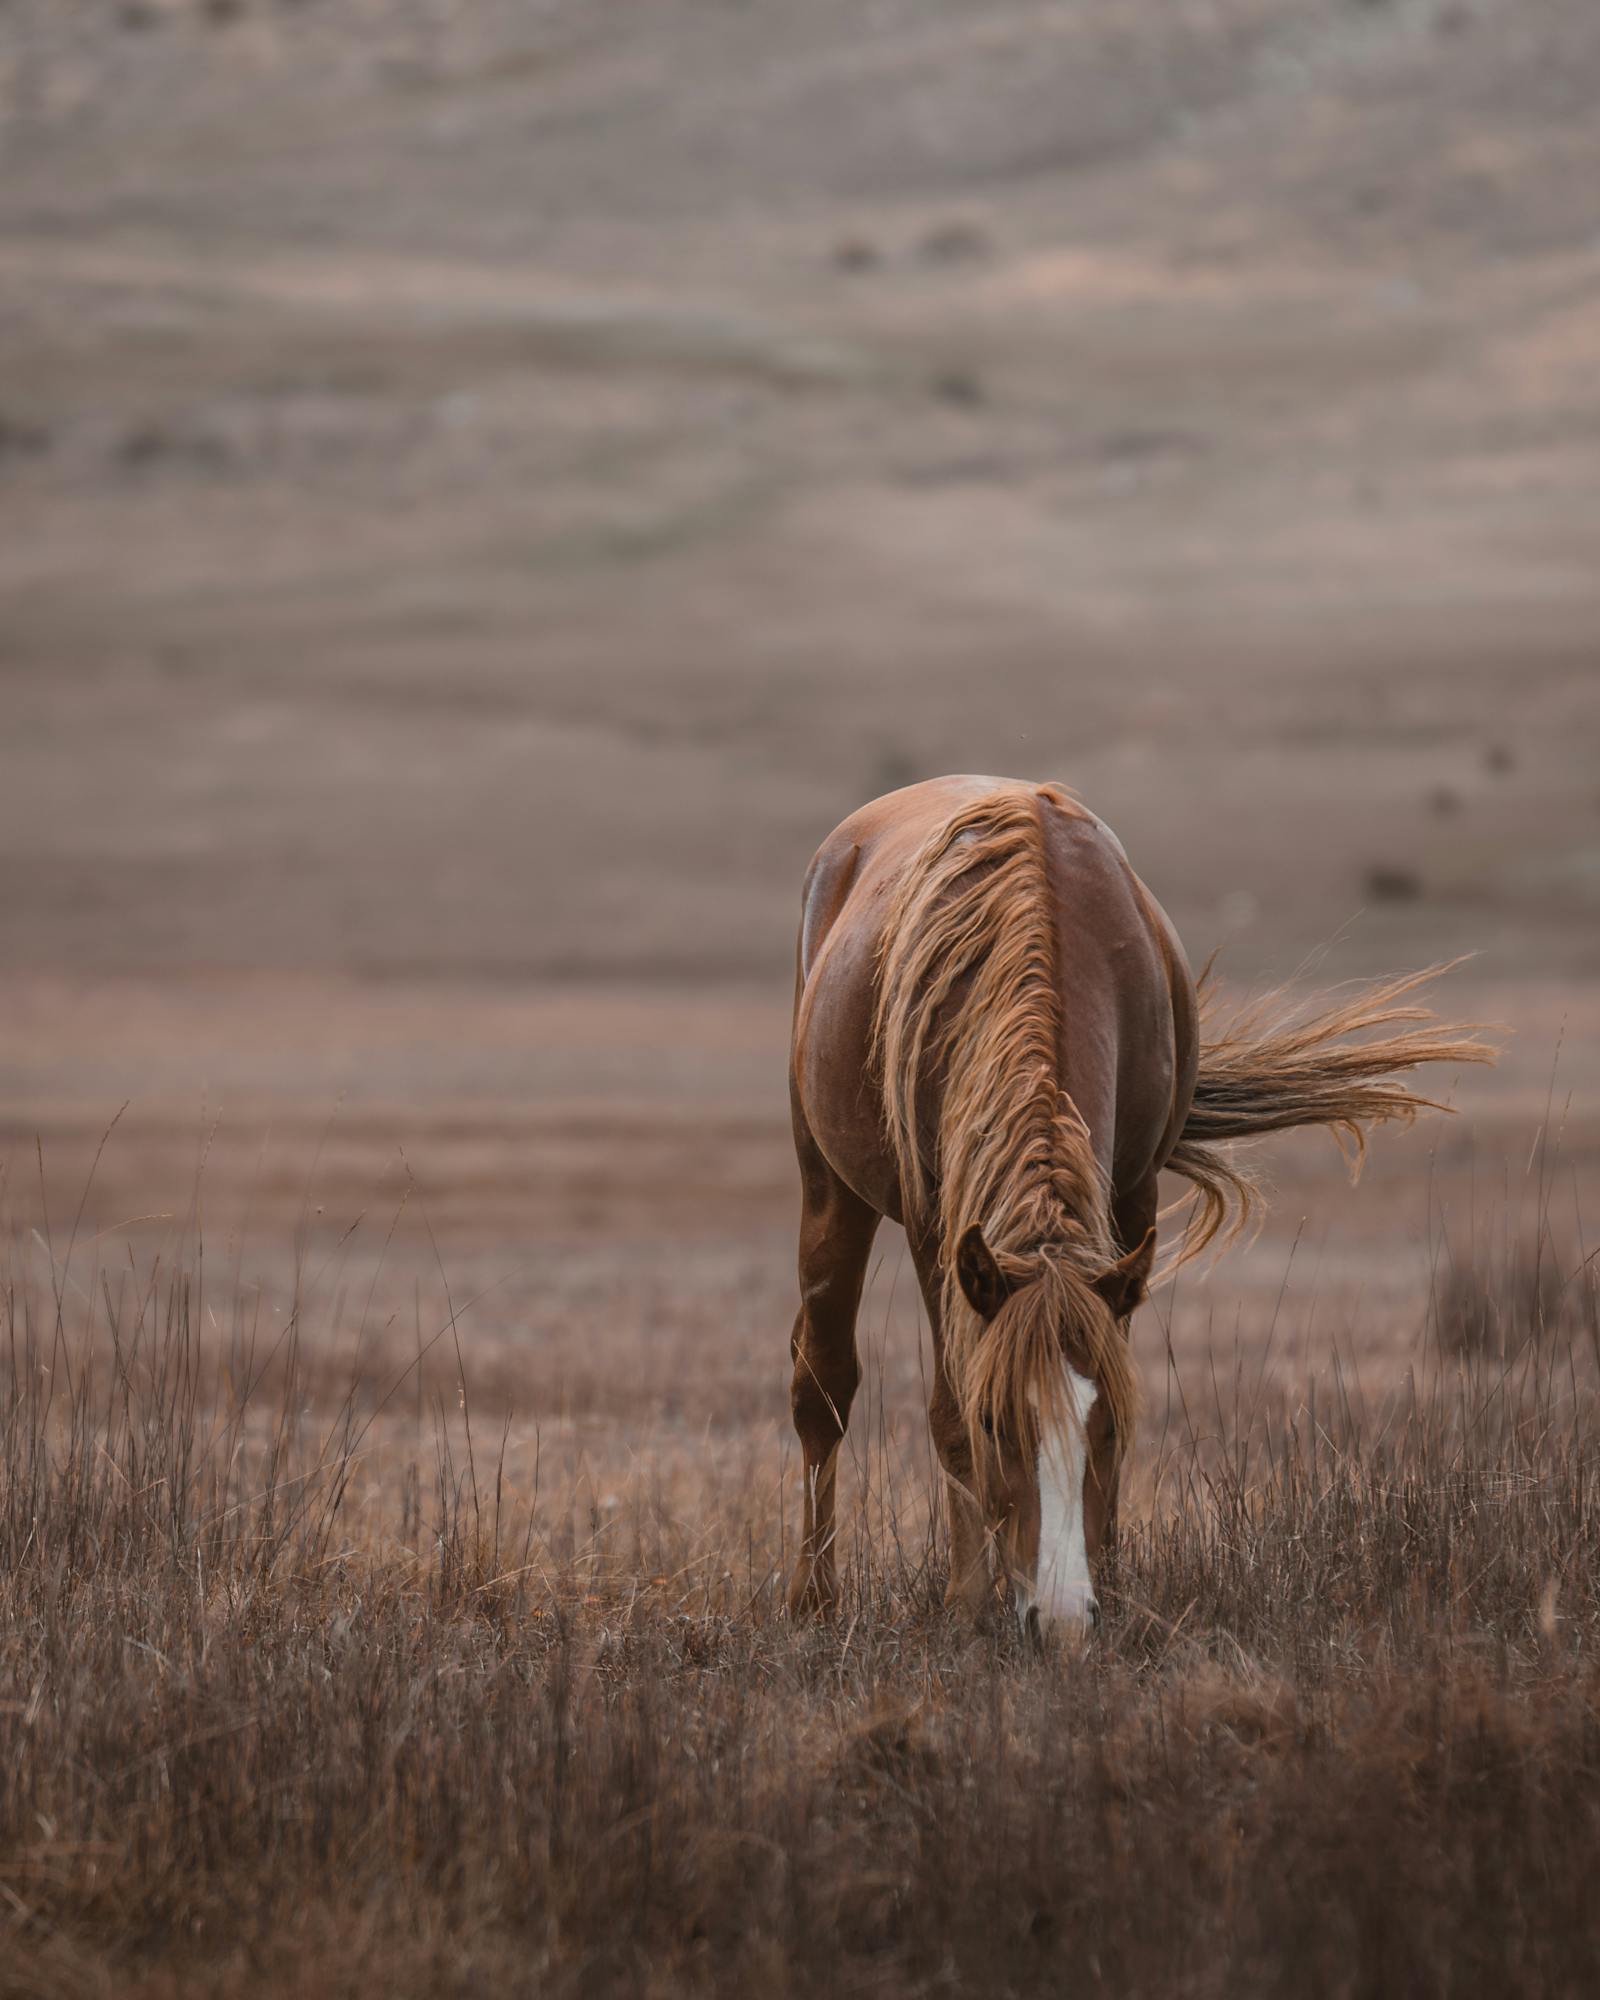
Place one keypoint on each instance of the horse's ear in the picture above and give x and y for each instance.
(1123, 1285)
(978, 1274)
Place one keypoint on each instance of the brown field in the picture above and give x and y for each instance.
(483, 489)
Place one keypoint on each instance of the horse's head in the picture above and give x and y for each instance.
(1048, 1398)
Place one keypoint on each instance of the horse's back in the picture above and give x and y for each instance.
(1128, 1013)
(1126, 999)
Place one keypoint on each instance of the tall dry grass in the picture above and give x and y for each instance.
(300, 1694)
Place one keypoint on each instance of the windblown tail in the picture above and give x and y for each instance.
(1269, 1068)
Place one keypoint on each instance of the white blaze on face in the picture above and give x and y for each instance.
(1063, 1591)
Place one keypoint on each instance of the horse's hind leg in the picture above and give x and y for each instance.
(836, 1232)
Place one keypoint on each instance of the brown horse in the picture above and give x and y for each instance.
(998, 1044)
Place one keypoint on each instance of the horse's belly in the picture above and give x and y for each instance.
(833, 1080)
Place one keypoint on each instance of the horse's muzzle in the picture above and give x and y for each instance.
(1080, 1630)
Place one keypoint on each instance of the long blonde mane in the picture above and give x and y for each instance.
(967, 1037)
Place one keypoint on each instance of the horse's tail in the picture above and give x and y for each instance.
(1274, 1065)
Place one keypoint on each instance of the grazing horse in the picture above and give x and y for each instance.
(998, 1044)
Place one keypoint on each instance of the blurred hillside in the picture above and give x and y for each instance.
(484, 486)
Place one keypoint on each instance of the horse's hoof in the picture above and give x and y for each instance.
(811, 1602)
(982, 1615)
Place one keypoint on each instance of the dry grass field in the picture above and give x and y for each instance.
(396, 1505)
(484, 486)
(320, 1680)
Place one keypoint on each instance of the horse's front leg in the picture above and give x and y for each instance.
(836, 1232)
(972, 1579)
(971, 1586)
(1132, 1214)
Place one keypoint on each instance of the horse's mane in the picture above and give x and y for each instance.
(967, 995)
